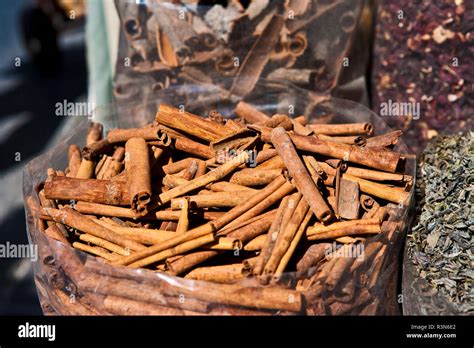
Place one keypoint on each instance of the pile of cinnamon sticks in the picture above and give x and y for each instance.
(229, 201)
(233, 46)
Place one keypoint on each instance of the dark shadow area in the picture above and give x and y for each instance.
(37, 95)
(34, 94)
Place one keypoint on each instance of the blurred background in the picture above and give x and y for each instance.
(43, 62)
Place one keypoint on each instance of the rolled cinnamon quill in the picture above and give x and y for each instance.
(74, 158)
(137, 167)
(343, 129)
(219, 274)
(213, 175)
(346, 231)
(250, 114)
(123, 135)
(214, 199)
(82, 223)
(285, 237)
(87, 190)
(191, 124)
(255, 177)
(394, 195)
(303, 181)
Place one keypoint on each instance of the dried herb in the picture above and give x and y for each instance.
(423, 54)
(440, 243)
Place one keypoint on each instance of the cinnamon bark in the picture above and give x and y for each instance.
(250, 114)
(137, 167)
(87, 190)
(80, 222)
(303, 181)
(343, 129)
(191, 124)
(123, 135)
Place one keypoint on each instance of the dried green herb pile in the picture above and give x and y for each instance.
(441, 242)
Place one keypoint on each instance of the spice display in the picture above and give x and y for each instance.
(252, 214)
(423, 57)
(233, 45)
(439, 244)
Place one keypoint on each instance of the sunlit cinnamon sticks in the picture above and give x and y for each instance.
(223, 201)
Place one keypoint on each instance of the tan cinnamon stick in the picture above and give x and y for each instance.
(255, 177)
(225, 243)
(375, 175)
(320, 228)
(94, 250)
(191, 124)
(213, 175)
(348, 204)
(174, 215)
(87, 190)
(188, 261)
(195, 233)
(219, 274)
(250, 114)
(140, 235)
(54, 232)
(343, 129)
(303, 181)
(102, 209)
(86, 169)
(224, 186)
(104, 244)
(384, 140)
(285, 237)
(346, 231)
(251, 210)
(176, 250)
(123, 135)
(74, 158)
(123, 306)
(271, 237)
(78, 221)
(293, 244)
(256, 244)
(137, 166)
(213, 199)
(183, 221)
(380, 190)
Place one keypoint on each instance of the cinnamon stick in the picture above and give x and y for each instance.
(343, 129)
(250, 114)
(191, 124)
(137, 167)
(303, 181)
(87, 190)
(78, 221)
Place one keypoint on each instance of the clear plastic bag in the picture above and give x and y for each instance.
(317, 45)
(72, 282)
